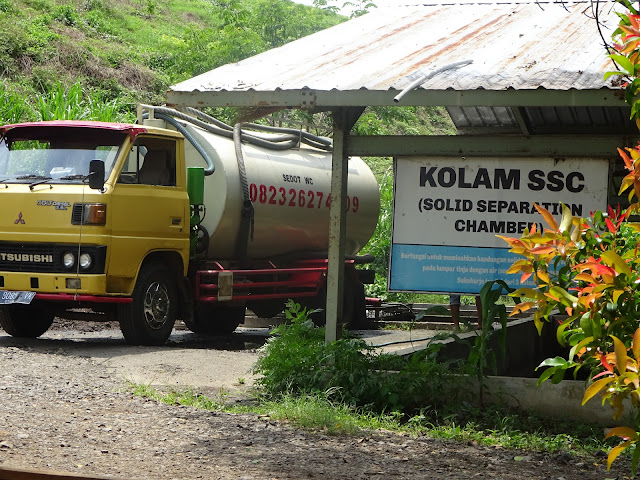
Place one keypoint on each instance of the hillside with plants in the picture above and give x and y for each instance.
(60, 58)
(123, 52)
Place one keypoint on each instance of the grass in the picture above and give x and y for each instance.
(491, 426)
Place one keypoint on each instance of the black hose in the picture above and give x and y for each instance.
(289, 138)
(247, 214)
(210, 165)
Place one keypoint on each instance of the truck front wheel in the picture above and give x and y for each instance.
(149, 319)
(28, 321)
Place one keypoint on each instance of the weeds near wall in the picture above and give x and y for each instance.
(481, 356)
(297, 361)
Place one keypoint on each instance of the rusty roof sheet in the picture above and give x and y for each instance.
(549, 45)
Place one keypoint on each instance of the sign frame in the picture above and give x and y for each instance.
(447, 212)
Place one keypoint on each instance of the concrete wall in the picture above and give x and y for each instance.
(525, 348)
(516, 380)
(562, 401)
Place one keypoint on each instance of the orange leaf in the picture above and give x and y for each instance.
(615, 451)
(605, 363)
(556, 299)
(629, 30)
(510, 240)
(585, 277)
(547, 217)
(595, 388)
(542, 275)
(522, 307)
(627, 433)
(629, 46)
(621, 355)
(636, 344)
(543, 250)
(628, 163)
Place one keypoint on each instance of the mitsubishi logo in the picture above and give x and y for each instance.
(19, 219)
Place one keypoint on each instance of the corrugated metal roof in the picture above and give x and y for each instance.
(555, 46)
(543, 120)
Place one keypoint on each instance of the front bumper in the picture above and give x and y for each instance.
(54, 283)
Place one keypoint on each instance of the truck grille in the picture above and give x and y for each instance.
(45, 257)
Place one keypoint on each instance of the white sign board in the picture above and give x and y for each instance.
(448, 211)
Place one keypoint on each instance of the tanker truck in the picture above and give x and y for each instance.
(176, 216)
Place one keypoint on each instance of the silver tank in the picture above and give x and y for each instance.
(289, 190)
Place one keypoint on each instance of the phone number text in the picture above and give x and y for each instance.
(292, 197)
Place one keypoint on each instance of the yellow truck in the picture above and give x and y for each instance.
(177, 216)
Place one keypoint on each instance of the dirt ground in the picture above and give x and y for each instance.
(65, 406)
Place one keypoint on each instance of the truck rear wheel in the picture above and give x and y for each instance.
(149, 319)
(267, 309)
(216, 319)
(27, 321)
(354, 309)
(319, 303)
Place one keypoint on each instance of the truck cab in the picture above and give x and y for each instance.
(116, 248)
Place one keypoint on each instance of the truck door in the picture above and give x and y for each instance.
(149, 211)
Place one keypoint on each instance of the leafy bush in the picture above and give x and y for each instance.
(6, 6)
(589, 270)
(66, 14)
(91, 5)
(297, 361)
(24, 43)
(13, 108)
(96, 20)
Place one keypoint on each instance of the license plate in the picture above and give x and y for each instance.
(7, 297)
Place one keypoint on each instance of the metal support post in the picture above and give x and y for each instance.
(337, 223)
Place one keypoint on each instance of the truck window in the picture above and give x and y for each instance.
(25, 157)
(151, 161)
(59, 154)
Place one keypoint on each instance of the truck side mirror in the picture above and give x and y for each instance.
(96, 174)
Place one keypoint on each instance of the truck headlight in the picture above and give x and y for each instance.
(68, 260)
(85, 261)
(89, 214)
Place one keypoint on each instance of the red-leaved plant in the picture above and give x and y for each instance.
(588, 270)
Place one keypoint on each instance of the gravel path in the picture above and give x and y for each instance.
(65, 411)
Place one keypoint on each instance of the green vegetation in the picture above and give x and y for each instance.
(297, 361)
(132, 51)
(347, 388)
(491, 426)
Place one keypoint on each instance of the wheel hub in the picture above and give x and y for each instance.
(156, 305)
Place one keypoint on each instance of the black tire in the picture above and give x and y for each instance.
(149, 319)
(267, 309)
(353, 304)
(26, 321)
(215, 319)
(359, 314)
(316, 307)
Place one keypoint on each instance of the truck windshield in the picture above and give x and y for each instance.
(60, 154)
